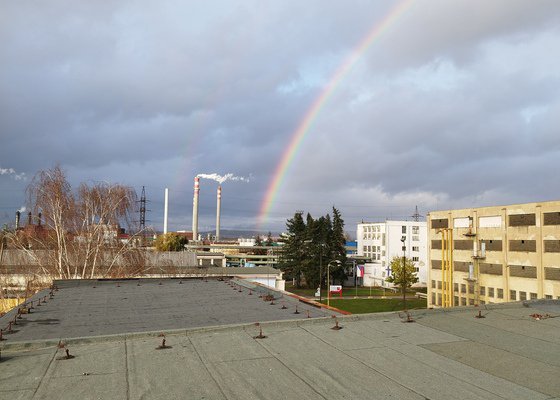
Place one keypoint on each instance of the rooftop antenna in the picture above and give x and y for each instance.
(416, 216)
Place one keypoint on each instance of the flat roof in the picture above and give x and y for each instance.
(83, 308)
(511, 353)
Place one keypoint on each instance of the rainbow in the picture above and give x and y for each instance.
(307, 122)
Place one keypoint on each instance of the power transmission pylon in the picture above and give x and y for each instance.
(416, 216)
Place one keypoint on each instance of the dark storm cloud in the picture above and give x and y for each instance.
(455, 105)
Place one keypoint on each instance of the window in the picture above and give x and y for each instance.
(471, 302)
(404, 248)
(404, 229)
(522, 296)
(513, 295)
(463, 301)
(548, 297)
(456, 289)
(439, 299)
(415, 238)
(463, 288)
(439, 284)
(433, 298)
(500, 293)
(415, 230)
(415, 258)
(482, 302)
(490, 292)
(455, 300)
(365, 249)
(433, 284)
(415, 248)
(533, 296)
(482, 291)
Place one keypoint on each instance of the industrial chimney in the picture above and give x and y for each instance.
(39, 218)
(195, 208)
(165, 210)
(218, 207)
(29, 218)
(18, 214)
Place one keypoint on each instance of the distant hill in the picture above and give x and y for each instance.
(234, 234)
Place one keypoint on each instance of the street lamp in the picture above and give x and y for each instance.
(320, 268)
(403, 239)
(329, 280)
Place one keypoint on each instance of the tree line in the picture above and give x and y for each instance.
(310, 245)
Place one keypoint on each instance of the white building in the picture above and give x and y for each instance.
(381, 241)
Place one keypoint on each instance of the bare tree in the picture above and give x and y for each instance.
(80, 232)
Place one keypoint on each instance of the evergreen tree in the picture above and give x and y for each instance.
(258, 241)
(293, 256)
(338, 246)
(269, 241)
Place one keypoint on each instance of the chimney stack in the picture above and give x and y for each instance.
(18, 214)
(218, 208)
(29, 218)
(39, 218)
(195, 208)
(165, 210)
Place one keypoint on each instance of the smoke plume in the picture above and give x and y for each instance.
(12, 172)
(222, 178)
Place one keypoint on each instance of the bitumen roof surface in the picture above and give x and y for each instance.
(83, 308)
(511, 353)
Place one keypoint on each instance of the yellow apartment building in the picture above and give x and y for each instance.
(494, 254)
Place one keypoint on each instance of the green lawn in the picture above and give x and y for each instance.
(363, 306)
(347, 291)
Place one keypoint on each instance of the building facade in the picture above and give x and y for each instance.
(494, 254)
(381, 241)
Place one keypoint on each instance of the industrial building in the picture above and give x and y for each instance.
(381, 241)
(494, 254)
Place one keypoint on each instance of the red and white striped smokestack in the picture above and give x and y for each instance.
(195, 208)
(218, 207)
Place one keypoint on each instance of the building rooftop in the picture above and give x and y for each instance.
(511, 353)
(82, 308)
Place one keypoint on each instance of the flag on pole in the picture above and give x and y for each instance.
(360, 271)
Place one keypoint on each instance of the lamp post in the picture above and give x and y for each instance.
(329, 280)
(321, 274)
(403, 239)
(320, 267)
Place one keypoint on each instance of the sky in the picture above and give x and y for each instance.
(451, 104)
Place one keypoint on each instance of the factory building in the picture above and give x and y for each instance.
(381, 241)
(494, 254)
